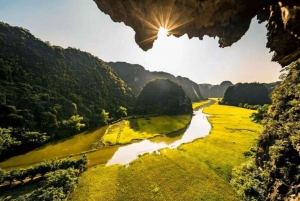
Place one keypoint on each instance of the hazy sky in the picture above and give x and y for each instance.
(80, 24)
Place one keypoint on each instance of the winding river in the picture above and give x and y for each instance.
(199, 127)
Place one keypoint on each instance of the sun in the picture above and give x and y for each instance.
(162, 32)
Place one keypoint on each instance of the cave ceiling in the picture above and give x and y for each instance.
(228, 20)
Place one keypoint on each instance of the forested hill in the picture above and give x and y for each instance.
(42, 86)
(162, 96)
(250, 93)
(135, 76)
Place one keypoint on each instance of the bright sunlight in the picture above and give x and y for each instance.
(162, 32)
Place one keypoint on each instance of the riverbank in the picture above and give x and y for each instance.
(199, 170)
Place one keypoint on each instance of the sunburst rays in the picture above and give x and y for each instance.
(163, 16)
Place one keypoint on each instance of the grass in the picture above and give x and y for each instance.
(73, 145)
(126, 131)
(199, 170)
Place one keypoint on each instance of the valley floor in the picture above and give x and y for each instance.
(200, 170)
(123, 132)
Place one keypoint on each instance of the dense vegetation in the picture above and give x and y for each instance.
(260, 114)
(274, 172)
(50, 92)
(162, 96)
(57, 179)
(246, 93)
(135, 76)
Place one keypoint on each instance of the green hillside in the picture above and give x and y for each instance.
(52, 91)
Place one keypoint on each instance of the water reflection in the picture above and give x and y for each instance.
(199, 127)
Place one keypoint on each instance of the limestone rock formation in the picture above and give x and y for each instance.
(204, 89)
(214, 91)
(163, 96)
(250, 93)
(136, 76)
(228, 20)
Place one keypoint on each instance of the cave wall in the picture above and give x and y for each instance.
(228, 20)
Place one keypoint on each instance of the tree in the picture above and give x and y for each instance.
(104, 116)
(71, 126)
(259, 115)
(6, 140)
(122, 111)
(49, 121)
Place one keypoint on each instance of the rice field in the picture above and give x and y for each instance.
(126, 131)
(199, 170)
(196, 105)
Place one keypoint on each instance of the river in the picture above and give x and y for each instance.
(199, 127)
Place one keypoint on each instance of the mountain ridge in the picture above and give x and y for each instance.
(136, 76)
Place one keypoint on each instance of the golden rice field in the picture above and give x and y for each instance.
(199, 170)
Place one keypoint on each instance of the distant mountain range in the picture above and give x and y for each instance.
(214, 91)
(136, 76)
(217, 91)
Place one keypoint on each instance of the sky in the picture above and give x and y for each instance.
(80, 24)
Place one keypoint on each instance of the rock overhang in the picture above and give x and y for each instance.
(228, 20)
